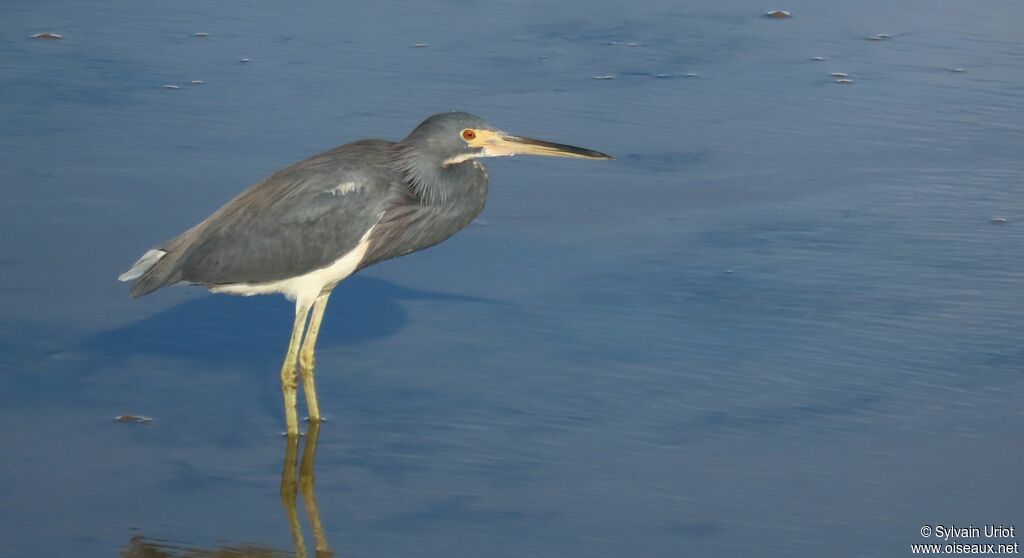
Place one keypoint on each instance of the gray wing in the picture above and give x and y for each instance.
(300, 219)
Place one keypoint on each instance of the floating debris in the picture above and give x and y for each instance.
(1000, 220)
(607, 76)
(957, 70)
(844, 81)
(47, 36)
(817, 58)
(201, 34)
(839, 75)
(137, 419)
(243, 60)
(420, 45)
(197, 82)
(171, 86)
(778, 14)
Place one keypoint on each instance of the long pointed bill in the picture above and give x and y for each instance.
(498, 144)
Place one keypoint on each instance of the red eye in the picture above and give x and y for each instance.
(468, 134)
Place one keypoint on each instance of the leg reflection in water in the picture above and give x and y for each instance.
(296, 477)
(307, 484)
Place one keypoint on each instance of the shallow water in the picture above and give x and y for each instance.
(781, 323)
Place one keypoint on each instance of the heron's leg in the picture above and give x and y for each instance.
(289, 375)
(307, 360)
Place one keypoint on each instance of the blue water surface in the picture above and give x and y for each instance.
(785, 321)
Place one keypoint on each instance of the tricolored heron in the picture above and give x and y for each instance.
(305, 228)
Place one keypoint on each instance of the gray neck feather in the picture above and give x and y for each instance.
(425, 174)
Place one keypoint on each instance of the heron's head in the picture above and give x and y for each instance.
(455, 137)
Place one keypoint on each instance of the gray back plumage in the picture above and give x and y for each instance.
(298, 219)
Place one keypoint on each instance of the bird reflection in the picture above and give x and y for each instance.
(296, 477)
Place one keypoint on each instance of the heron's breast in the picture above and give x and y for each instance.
(415, 226)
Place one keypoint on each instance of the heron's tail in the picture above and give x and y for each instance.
(140, 267)
(148, 275)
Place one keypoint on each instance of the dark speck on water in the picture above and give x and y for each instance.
(133, 419)
(784, 322)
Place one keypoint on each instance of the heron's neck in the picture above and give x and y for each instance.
(435, 183)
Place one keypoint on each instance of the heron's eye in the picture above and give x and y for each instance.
(468, 134)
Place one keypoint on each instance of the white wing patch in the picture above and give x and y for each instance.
(345, 188)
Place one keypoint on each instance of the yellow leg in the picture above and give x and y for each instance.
(307, 360)
(289, 375)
